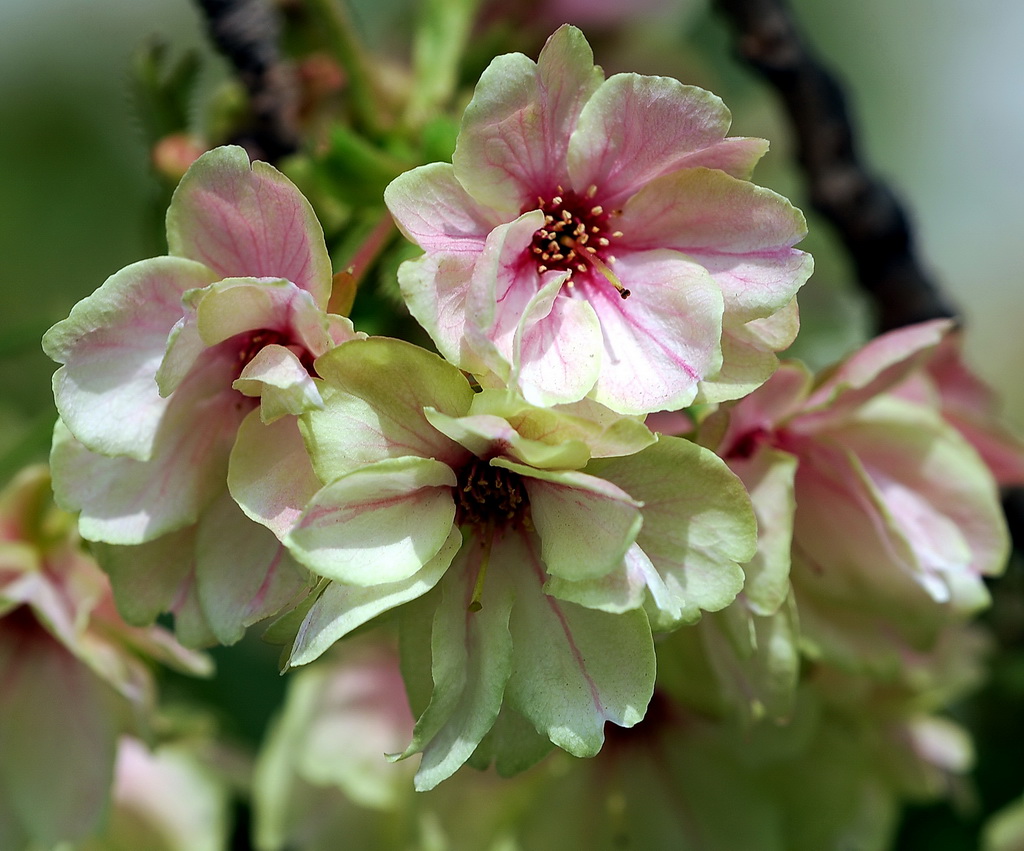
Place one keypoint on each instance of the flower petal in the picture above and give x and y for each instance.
(601, 431)
(471, 662)
(698, 523)
(748, 355)
(248, 221)
(243, 573)
(379, 524)
(148, 578)
(484, 434)
(58, 736)
(515, 131)
(435, 288)
(343, 608)
(270, 475)
(663, 339)
(768, 477)
(743, 234)
(124, 501)
(585, 524)
(279, 380)
(374, 393)
(433, 210)
(505, 287)
(574, 668)
(636, 128)
(112, 344)
(557, 349)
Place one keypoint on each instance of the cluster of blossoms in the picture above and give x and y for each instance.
(74, 677)
(595, 254)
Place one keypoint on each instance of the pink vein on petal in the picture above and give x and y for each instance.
(539, 573)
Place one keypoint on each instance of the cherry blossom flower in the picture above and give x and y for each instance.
(524, 571)
(599, 238)
(897, 519)
(163, 363)
(73, 674)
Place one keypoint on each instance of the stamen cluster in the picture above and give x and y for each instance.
(490, 496)
(576, 233)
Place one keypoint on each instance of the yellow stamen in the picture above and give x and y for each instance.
(613, 279)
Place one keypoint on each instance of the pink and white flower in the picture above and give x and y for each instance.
(897, 519)
(599, 238)
(524, 545)
(160, 367)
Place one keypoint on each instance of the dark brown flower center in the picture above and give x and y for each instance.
(490, 497)
(576, 237)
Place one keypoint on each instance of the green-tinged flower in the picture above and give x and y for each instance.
(532, 540)
(73, 675)
(162, 364)
(896, 520)
(834, 776)
(164, 799)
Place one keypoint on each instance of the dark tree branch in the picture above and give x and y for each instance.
(864, 211)
(247, 33)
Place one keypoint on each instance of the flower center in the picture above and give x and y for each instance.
(576, 237)
(490, 497)
(251, 343)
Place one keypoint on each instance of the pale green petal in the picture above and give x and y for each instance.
(58, 735)
(574, 668)
(281, 383)
(342, 608)
(374, 393)
(243, 572)
(604, 432)
(698, 524)
(585, 524)
(484, 434)
(756, 660)
(472, 661)
(270, 475)
(768, 477)
(379, 524)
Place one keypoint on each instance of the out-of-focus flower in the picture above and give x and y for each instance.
(834, 775)
(162, 364)
(342, 716)
(164, 799)
(969, 405)
(897, 519)
(73, 675)
(528, 521)
(600, 238)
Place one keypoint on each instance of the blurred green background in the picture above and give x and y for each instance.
(936, 86)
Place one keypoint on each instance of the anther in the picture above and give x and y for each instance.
(600, 241)
(617, 234)
(592, 190)
(556, 200)
(596, 211)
